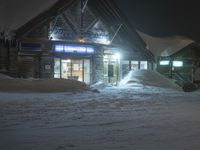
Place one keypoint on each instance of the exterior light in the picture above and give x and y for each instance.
(103, 40)
(177, 63)
(116, 56)
(164, 62)
(81, 40)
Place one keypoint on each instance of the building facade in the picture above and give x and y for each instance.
(183, 65)
(88, 41)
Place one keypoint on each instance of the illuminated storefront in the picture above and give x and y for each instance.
(73, 62)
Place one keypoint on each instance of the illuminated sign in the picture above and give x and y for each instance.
(74, 49)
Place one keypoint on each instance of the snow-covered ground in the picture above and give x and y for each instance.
(132, 116)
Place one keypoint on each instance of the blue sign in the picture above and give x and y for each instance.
(74, 49)
(30, 46)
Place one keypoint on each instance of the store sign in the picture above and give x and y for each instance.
(74, 49)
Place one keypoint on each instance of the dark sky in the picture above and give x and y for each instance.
(164, 17)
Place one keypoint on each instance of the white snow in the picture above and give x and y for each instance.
(148, 78)
(117, 118)
(165, 46)
(8, 84)
(3, 76)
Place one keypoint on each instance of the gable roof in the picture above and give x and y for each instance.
(107, 10)
(165, 46)
(38, 13)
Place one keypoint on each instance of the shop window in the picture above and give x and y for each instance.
(177, 64)
(143, 65)
(134, 65)
(56, 67)
(86, 71)
(164, 62)
(125, 68)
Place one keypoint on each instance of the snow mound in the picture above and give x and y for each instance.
(41, 85)
(3, 76)
(149, 78)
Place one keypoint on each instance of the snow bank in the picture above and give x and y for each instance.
(3, 76)
(149, 78)
(41, 85)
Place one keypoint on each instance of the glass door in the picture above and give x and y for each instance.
(111, 69)
(77, 70)
(65, 69)
(72, 69)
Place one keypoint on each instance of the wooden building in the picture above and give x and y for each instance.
(182, 65)
(89, 41)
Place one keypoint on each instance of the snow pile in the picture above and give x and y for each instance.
(3, 76)
(149, 78)
(41, 85)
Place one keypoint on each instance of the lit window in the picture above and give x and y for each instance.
(164, 62)
(143, 65)
(177, 63)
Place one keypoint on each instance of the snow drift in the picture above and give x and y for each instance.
(149, 78)
(41, 85)
(3, 76)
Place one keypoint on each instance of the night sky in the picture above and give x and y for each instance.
(163, 18)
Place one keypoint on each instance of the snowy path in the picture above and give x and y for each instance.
(143, 118)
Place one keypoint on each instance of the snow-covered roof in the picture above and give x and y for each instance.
(165, 46)
(14, 14)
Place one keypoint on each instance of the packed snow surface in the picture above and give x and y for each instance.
(140, 117)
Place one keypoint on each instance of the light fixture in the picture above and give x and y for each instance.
(81, 39)
(164, 62)
(177, 63)
(116, 56)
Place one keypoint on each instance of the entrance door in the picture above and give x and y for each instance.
(77, 70)
(73, 69)
(65, 69)
(111, 69)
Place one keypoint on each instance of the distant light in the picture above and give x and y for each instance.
(177, 63)
(164, 62)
